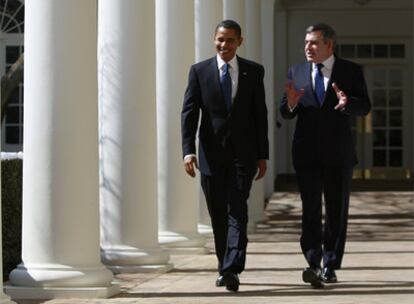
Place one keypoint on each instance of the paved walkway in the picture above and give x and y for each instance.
(378, 265)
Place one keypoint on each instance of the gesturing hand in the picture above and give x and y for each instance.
(342, 98)
(292, 94)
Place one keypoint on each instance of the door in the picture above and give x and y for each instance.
(383, 137)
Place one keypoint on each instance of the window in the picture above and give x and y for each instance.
(371, 50)
(11, 47)
(12, 16)
(387, 117)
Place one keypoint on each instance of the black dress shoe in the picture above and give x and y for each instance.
(312, 275)
(231, 280)
(220, 281)
(329, 275)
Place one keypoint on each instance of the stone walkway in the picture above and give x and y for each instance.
(378, 265)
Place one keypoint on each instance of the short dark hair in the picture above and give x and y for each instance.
(229, 24)
(328, 32)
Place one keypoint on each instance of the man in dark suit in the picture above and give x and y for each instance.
(323, 94)
(228, 91)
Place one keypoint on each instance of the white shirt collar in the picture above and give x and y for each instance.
(233, 63)
(328, 63)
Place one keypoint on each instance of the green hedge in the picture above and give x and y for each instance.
(11, 184)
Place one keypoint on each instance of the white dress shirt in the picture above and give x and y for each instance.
(326, 71)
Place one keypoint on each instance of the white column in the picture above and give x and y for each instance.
(253, 47)
(4, 299)
(272, 102)
(284, 129)
(177, 192)
(235, 10)
(60, 233)
(252, 30)
(207, 15)
(128, 137)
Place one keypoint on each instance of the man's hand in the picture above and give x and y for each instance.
(190, 164)
(342, 98)
(261, 166)
(292, 94)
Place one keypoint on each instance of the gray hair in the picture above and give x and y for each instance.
(328, 32)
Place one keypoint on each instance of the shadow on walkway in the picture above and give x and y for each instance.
(378, 263)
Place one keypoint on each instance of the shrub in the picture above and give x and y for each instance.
(11, 184)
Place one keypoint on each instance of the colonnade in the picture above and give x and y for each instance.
(104, 190)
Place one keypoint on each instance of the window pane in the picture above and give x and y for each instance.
(12, 54)
(379, 98)
(395, 158)
(380, 78)
(379, 159)
(364, 51)
(395, 118)
(12, 115)
(380, 50)
(395, 78)
(395, 137)
(348, 50)
(12, 135)
(379, 118)
(14, 97)
(397, 50)
(379, 139)
(12, 28)
(395, 98)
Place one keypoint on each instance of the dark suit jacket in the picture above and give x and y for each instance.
(244, 129)
(323, 135)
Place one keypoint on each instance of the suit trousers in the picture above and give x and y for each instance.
(226, 196)
(325, 242)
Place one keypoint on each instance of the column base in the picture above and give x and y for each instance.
(141, 269)
(124, 259)
(4, 299)
(205, 229)
(44, 293)
(61, 277)
(121, 259)
(176, 243)
(252, 225)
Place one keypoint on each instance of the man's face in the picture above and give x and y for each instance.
(316, 49)
(227, 41)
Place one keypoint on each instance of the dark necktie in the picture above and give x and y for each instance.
(225, 82)
(319, 84)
